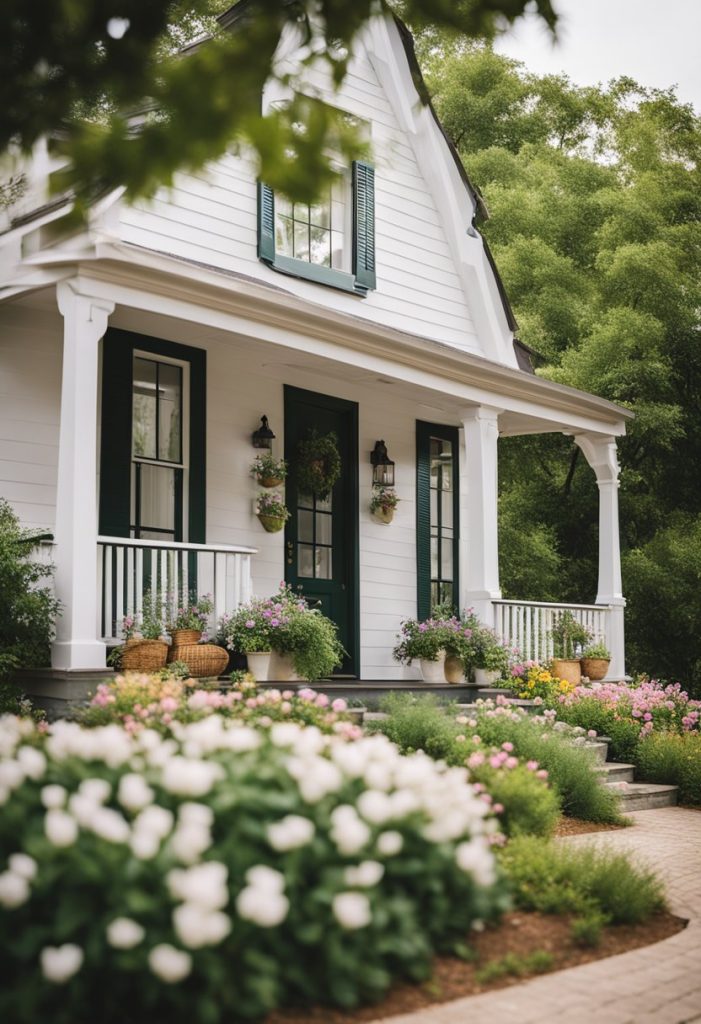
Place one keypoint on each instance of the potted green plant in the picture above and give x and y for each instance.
(596, 659)
(383, 502)
(272, 512)
(428, 642)
(249, 631)
(269, 471)
(491, 657)
(568, 637)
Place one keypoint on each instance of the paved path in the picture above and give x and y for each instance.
(658, 984)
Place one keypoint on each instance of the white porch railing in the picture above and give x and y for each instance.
(527, 625)
(128, 569)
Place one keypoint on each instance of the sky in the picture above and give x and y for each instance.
(656, 42)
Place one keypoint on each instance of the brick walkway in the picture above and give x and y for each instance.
(658, 984)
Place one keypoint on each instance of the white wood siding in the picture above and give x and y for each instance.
(211, 217)
(30, 401)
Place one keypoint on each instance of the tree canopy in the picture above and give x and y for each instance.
(595, 203)
(108, 83)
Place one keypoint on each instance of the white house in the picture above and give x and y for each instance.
(139, 355)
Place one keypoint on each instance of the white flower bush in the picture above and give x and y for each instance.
(222, 870)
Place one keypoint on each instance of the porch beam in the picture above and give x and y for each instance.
(600, 452)
(84, 322)
(478, 512)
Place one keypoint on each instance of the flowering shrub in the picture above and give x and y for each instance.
(629, 713)
(194, 615)
(284, 623)
(227, 870)
(530, 680)
(140, 701)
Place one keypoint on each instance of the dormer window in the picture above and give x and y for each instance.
(331, 242)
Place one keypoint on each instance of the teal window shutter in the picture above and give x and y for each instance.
(364, 224)
(266, 223)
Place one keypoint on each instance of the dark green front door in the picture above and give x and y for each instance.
(321, 539)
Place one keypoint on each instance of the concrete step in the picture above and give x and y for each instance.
(600, 749)
(617, 771)
(643, 796)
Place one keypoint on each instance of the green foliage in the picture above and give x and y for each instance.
(589, 713)
(14, 702)
(595, 223)
(597, 651)
(567, 635)
(513, 965)
(312, 640)
(318, 464)
(28, 608)
(561, 878)
(665, 757)
(587, 930)
(528, 805)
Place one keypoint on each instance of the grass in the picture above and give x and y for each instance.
(588, 881)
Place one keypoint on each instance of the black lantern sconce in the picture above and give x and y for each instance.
(263, 437)
(382, 466)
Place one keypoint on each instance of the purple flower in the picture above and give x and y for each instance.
(250, 624)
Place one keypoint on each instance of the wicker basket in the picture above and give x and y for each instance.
(144, 655)
(185, 636)
(271, 524)
(595, 668)
(201, 659)
(270, 481)
(568, 669)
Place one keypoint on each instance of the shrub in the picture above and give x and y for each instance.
(590, 713)
(563, 878)
(520, 797)
(225, 871)
(28, 610)
(531, 680)
(572, 769)
(140, 701)
(672, 759)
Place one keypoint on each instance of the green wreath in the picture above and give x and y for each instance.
(319, 464)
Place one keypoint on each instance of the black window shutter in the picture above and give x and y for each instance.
(364, 224)
(115, 459)
(266, 223)
(423, 520)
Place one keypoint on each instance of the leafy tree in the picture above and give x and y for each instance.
(27, 609)
(595, 203)
(106, 82)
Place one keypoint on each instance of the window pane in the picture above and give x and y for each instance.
(324, 504)
(169, 412)
(434, 557)
(283, 236)
(434, 507)
(144, 408)
(447, 510)
(305, 501)
(301, 241)
(323, 563)
(337, 253)
(320, 247)
(305, 526)
(157, 493)
(320, 216)
(323, 528)
(283, 206)
(446, 590)
(446, 559)
(305, 560)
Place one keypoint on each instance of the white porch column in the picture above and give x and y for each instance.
(478, 513)
(600, 452)
(77, 645)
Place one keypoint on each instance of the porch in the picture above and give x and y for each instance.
(255, 343)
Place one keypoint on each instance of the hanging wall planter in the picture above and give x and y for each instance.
(319, 464)
(383, 504)
(269, 471)
(272, 512)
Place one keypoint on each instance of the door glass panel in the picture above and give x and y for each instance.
(323, 504)
(144, 407)
(305, 560)
(305, 526)
(441, 524)
(323, 528)
(434, 557)
(169, 409)
(323, 564)
(447, 510)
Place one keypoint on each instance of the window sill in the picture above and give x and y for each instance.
(319, 275)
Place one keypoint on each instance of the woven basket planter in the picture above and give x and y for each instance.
(568, 669)
(595, 668)
(185, 636)
(201, 659)
(270, 481)
(144, 655)
(271, 524)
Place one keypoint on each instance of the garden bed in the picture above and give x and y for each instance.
(517, 938)
(576, 826)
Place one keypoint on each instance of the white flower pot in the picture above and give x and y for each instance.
(434, 671)
(282, 669)
(259, 665)
(486, 676)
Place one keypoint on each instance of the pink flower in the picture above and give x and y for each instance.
(339, 704)
(498, 808)
(322, 701)
(532, 766)
(476, 739)
(542, 774)
(511, 762)
(250, 624)
(591, 733)
(508, 747)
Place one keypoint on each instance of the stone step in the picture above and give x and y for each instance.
(617, 771)
(599, 749)
(643, 796)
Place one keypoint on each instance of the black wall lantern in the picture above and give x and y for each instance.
(263, 437)
(382, 466)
